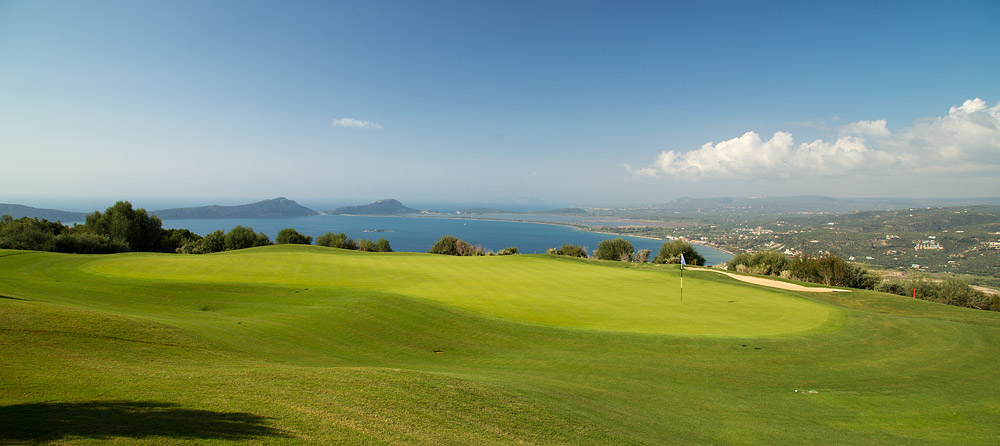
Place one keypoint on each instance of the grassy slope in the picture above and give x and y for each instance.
(525, 288)
(157, 360)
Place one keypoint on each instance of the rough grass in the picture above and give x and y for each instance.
(93, 358)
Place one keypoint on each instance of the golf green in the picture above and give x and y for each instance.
(306, 345)
(535, 289)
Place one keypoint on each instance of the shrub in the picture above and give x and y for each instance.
(174, 239)
(88, 243)
(291, 236)
(670, 252)
(891, 287)
(382, 245)
(451, 245)
(614, 249)
(858, 276)
(767, 262)
(445, 245)
(569, 250)
(242, 237)
(336, 241)
(508, 251)
(366, 245)
(133, 227)
(642, 256)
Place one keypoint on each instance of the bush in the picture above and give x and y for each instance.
(242, 237)
(291, 236)
(445, 245)
(133, 227)
(366, 245)
(951, 291)
(641, 256)
(767, 262)
(213, 242)
(614, 249)
(382, 245)
(569, 250)
(670, 252)
(858, 276)
(336, 241)
(508, 251)
(451, 245)
(29, 233)
(174, 239)
(88, 243)
(891, 287)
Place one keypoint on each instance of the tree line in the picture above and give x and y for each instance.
(617, 249)
(829, 269)
(120, 228)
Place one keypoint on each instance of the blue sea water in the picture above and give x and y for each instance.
(418, 234)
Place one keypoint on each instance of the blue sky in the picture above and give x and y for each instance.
(571, 102)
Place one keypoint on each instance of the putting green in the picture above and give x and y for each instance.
(534, 289)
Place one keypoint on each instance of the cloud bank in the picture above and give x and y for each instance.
(355, 124)
(967, 140)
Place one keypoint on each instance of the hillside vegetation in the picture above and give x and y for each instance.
(313, 345)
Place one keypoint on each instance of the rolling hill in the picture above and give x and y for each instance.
(311, 345)
(277, 207)
(18, 211)
(381, 207)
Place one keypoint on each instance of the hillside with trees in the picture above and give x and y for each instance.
(380, 207)
(274, 208)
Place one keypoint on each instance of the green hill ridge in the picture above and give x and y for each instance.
(277, 207)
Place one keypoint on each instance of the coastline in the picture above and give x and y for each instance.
(575, 226)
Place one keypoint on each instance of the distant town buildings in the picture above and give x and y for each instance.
(928, 244)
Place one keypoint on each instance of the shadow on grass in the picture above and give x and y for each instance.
(44, 422)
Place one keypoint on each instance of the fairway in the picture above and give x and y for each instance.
(535, 289)
(304, 345)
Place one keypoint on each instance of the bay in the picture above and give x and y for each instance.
(418, 234)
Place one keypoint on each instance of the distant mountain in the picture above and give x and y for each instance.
(18, 211)
(380, 207)
(806, 204)
(278, 207)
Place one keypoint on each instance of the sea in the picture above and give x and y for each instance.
(419, 233)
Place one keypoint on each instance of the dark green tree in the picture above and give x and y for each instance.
(670, 252)
(214, 241)
(445, 245)
(366, 245)
(242, 237)
(29, 233)
(569, 250)
(291, 236)
(382, 245)
(134, 228)
(614, 249)
(174, 239)
(336, 241)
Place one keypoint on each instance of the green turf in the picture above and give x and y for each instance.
(369, 353)
(524, 288)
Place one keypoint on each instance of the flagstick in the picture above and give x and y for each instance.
(682, 283)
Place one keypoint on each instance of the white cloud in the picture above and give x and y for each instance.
(872, 128)
(966, 140)
(355, 124)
